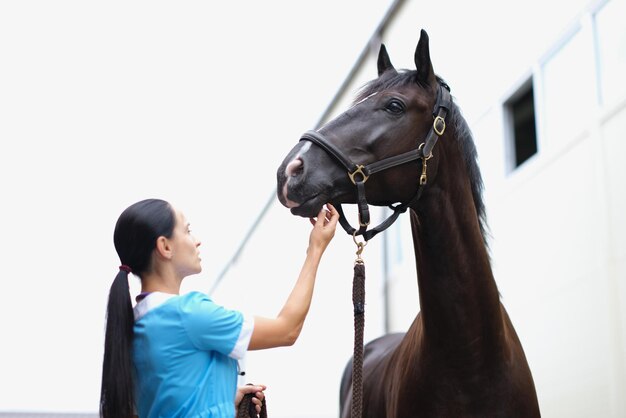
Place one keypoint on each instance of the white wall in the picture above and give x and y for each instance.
(556, 222)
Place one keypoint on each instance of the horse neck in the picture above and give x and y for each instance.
(459, 299)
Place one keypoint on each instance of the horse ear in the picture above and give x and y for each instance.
(425, 73)
(384, 63)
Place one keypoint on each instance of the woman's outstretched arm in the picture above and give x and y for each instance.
(285, 328)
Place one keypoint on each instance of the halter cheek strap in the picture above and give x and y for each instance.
(359, 174)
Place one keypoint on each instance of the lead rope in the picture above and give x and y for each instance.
(358, 301)
(247, 409)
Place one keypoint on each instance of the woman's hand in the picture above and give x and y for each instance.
(258, 395)
(323, 227)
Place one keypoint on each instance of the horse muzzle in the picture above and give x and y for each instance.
(300, 186)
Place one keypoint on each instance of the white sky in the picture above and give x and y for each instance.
(106, 103)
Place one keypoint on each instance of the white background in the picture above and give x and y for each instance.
(106, 103)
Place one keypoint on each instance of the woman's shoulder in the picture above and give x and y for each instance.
(197, 311)
(195, 296)
(195, 300)
(160, 301)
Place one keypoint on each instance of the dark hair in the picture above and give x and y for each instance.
(135, 236)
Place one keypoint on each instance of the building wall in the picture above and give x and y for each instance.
(556, 222)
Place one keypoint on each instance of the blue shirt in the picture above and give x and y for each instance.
(185, 352)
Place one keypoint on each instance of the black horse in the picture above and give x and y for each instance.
(461, 356)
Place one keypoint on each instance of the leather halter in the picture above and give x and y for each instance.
(359, 174)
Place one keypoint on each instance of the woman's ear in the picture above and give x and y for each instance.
(163, 248)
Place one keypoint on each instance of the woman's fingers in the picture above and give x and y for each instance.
(321, 216)
(334, 215)
(327, 215)
(326, 219)
(258, 401)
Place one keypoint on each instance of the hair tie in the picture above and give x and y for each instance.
(125, 268)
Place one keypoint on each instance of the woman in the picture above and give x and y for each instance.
(176, 355)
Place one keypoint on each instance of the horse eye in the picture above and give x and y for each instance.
(395, 106)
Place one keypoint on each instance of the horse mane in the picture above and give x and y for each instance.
(455, 120)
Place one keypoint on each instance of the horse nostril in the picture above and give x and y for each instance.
(294, 168)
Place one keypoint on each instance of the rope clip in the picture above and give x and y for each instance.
(360, 245)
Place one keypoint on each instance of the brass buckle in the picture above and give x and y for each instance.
(441, 122)
(359, 170)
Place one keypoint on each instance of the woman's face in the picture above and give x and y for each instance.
(185, 251)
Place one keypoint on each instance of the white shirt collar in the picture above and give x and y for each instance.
(150, 302)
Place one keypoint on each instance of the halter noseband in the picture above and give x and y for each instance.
(359, 174)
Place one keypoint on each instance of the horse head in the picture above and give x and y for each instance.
(390, 120)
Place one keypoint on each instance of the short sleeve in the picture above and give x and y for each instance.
(209, 325)
(244, 338)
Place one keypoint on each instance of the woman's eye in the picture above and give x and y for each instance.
(395, 107)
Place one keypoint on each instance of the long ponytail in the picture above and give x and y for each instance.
(117, 390)
(136, 232)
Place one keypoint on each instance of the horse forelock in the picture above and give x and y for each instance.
(401, 78)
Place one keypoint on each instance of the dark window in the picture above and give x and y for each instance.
(522, 119)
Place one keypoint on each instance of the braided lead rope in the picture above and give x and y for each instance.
(247, 408)
(358, 301)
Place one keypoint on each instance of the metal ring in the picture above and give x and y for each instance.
(425, 157)
(359, 170)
